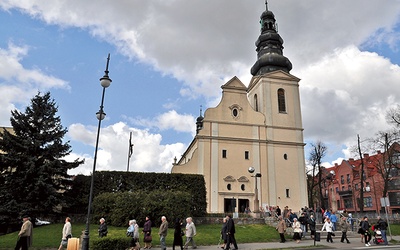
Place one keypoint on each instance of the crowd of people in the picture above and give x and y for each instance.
(331, 222)
(306, 221)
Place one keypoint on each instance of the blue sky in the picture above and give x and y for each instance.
(170, 57)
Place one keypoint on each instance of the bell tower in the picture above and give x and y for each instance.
(274, 92)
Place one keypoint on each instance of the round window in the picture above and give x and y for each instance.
(235, 112)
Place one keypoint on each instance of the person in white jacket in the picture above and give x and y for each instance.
(296, 230)
(328, 226)
(66, 233)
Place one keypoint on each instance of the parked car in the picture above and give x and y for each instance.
(39, 222)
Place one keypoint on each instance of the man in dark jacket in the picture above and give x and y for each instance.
(382, 225)
(230, 228)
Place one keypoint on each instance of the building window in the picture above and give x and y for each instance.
(349, 187)
(356, 186)
(242, 187)
(287, 193)
(348, 178)
(224, 153)
(281, 101)
(337, 189)
(256, 102)
(368, 202)
(343, 188)
(246, 155)
(285, 156)
(229, 187)
(367, 187)
(342, 179)
(348, 203)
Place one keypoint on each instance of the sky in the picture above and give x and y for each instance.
(171, 57)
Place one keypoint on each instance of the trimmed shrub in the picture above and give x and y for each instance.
(107, 243)
(141, 185)
(119, 208)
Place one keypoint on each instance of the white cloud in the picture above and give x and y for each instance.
(149, 155)
(18, 84)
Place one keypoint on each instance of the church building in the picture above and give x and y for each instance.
(250, 147)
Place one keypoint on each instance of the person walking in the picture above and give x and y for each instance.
(136, 234)
(103, 231)
(296, 230)
(177, 234)
(230, 233)
(163, 231)
(281, 228)
(224, 233)
(312, 223)
(382, 225)
(25, 234)
(328, 226)
(365, 228)
(131, 233)
(344, 227)
(350, 220)
(147, 238)
(66, 233)
(190, 232)
(303, 222)
(333, 219)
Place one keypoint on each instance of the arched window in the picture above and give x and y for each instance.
(281, 101)
(256, 102)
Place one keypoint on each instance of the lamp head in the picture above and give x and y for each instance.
(100, 115)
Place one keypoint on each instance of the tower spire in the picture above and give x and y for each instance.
(269, 47)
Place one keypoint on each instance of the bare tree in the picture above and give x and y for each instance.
(362, 176)
(393, 116)
(318, 151)
(386, 141)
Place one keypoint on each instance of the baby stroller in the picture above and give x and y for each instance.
(377, 235)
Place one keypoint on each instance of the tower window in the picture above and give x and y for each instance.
(281, 101)
(246, 155)
(235, 112)
(229, 187)
(224, 153)
(256, 102)
(287, 193)
(285, 156)
(243, 187)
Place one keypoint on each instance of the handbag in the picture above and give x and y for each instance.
(64, 243)
(148, 238)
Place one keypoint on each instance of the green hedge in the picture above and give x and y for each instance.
(107, 243)
(119, 208)
(183, 193)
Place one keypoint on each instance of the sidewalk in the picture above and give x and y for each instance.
(355, 243)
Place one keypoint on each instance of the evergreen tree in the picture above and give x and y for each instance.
(33, 171)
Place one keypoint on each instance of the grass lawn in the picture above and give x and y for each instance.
(49, 236)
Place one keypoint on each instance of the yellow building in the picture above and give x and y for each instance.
(250, 146)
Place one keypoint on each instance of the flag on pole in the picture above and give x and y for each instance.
(130, 145)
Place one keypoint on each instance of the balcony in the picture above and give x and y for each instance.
(346, 193)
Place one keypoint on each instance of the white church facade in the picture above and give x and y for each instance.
(256, 128)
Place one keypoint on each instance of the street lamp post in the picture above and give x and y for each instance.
(105, 82)
(256, 201)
